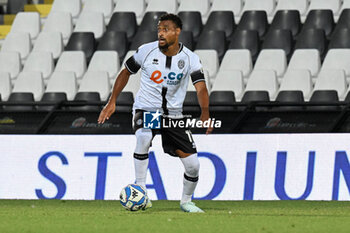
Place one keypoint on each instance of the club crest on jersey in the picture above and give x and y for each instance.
(171, 79)
(181, 64)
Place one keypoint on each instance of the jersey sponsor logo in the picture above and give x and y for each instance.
(172, 78)
(157, 77)
(155, 62)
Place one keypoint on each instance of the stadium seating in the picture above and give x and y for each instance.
(52, 98)
(136, 6)
(49, 42)
(27, 22)
(63, 82)
(31, 82)
(344, 6)
(333, 5)
(246, 39)
(308, 59)
(82, 41)
(263, 80)
(96, 81)
(133, 84)
(212, 40)
(102, 6)
(5, 86)
(59, 22)
(150, 21)
(290, 97)
(231, 80)
(210, 61)
(332, 80)
(320, 19)
(344, 18)
(237, 59)
(297, 80)
(191, 103)
(347, 98)
(143, 37)
(72, 61)
(107, 61)
(287, 20)
(221, 101)
(186, 37)
(124, 22)
(191, 21)
(262, 5)
(272, 59)
(72, 6)
(254, 20)
(91, 22)
(299, 5)
(114, 41)
(169, 6)
(18, 42)
(279, 39)
(337, 59)
(324, 97)
(255, 96)
(124, 102)
(340, 39)
(221, 21)
(17, 98)
(328, 96)
(234, 6)
(312, 39)
(87, 97)
(41, 62)
(303, 54)
(195, 5)
(10, 62)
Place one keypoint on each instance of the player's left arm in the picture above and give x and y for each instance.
(203, 99)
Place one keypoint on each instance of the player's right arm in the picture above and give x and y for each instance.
(119, 85)
(132, 65)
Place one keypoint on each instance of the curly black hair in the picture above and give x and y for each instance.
(174, 18)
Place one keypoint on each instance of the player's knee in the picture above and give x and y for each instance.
(192, 169)
(144, 137)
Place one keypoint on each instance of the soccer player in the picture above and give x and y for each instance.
(166, 67)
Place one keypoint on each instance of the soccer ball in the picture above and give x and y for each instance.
(133, 197)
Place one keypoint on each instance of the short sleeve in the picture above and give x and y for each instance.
(133, 64)
(197, 74)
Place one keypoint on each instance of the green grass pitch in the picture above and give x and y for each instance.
(51, 216)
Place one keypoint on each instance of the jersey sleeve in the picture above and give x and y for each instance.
(197, 74)
(133, 64)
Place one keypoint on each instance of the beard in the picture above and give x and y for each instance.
(163, 47)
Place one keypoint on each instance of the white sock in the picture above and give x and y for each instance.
(143, 142)
(190, 179)
(141, 171)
